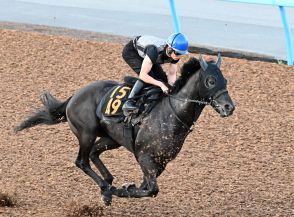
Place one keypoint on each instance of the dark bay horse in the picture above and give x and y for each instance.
(158, 139)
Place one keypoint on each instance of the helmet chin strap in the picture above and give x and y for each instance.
(168, 51)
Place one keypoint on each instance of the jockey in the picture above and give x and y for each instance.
(145, 54)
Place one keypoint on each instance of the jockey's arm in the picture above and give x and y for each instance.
(172, 73)
(144, 73)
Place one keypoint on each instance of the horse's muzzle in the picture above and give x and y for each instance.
(223, 105)
(228, 110)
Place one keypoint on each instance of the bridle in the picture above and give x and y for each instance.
(210, 101)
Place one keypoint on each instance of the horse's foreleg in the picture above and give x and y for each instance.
(144, 185)
(99, 147)
(149, 188)
(86, 143)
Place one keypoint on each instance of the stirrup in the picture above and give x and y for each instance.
(129, 112)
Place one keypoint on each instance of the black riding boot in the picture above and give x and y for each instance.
(129, 106)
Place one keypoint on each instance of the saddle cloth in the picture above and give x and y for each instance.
(110, 107)
(112, 102)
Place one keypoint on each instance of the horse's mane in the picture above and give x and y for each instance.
(187, 70)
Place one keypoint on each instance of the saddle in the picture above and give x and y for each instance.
(110, 107)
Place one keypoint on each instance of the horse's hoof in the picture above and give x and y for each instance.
(106, 200)
(128, 186)
(106, 196)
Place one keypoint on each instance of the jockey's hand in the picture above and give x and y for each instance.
(164, 88)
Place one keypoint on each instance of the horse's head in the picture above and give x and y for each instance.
(213, 87)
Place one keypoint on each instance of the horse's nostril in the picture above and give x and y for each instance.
(229, 108)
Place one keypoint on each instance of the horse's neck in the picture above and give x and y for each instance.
(191, 88)
(189, 112)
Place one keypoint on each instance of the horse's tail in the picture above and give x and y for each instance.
(53, 112)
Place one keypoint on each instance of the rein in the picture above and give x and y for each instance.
(177, 117)
(185, 100)
(200, 102)
(190, 100)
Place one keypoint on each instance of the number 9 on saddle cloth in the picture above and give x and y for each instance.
(110, 106)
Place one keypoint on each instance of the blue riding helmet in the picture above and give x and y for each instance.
(178, 42)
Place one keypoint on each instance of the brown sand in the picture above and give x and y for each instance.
(238, 166)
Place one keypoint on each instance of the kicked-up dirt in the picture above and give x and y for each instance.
(236, 166)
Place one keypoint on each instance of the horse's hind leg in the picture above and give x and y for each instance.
(103, 144)
(87, 140)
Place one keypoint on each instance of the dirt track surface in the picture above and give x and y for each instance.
(238, 166)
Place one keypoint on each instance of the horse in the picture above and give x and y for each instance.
(159, 137)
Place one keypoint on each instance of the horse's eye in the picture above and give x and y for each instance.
(210, 82)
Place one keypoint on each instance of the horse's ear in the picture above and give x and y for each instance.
(203, 63)
(219, 60)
